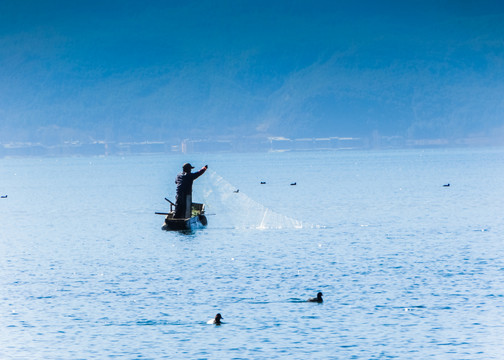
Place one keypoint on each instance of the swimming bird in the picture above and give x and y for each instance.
(4, 196)
(317, 299)
(293, 183)
(446, 185)
(263, 182)
(216, 320)
(236, 191)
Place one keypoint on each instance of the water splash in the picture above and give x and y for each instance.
(237, 210)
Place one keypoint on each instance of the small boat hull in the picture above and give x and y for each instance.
(193, 223)
(197, 220)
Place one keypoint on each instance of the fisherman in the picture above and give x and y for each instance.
(184, 182)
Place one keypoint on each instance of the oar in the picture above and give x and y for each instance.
(162, 213)
(169, 201)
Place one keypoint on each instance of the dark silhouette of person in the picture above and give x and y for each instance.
(184, 182)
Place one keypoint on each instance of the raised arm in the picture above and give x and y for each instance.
(200, 172)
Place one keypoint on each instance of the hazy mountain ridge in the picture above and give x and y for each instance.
(165, 72)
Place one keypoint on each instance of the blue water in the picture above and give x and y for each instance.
(409, 269)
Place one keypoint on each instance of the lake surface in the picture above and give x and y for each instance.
(409, 268)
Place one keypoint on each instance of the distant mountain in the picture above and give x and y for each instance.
(126, 71)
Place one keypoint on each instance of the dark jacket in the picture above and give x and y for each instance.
(184, 182)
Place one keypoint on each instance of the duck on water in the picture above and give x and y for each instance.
(216, 320)
(317, 299)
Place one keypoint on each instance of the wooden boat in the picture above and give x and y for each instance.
(197, 220)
